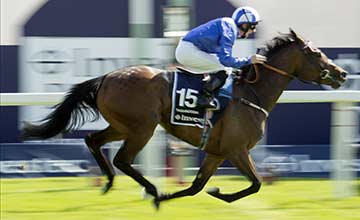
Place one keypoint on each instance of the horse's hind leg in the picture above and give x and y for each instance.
(94, 141)
(126, 154)
(246, 166)
(207, 169)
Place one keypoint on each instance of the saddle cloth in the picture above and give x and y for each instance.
(185, 93)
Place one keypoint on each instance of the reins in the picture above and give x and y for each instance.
(275, 69)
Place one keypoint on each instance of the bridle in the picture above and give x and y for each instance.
(324, 73)
(268, 66)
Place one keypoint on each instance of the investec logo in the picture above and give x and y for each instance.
(79, 62)
(53, 64)
(188, 118)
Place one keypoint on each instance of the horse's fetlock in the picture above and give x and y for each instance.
(151, 190)
(256, 186)
(124, 167)
(194, 190)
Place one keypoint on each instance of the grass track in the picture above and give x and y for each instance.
(75, 198)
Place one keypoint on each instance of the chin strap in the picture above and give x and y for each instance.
(245, 30)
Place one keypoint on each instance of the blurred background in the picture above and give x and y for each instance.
(48, 45)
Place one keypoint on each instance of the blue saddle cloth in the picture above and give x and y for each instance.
(185, 93)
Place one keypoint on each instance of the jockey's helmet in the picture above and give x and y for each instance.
(246, 15)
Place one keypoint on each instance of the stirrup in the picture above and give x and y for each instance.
(211, 104)
(206, 130)
(205, 102)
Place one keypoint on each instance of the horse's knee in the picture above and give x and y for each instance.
(121, 165)
(91, 146)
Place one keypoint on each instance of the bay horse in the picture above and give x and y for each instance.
(134, 100)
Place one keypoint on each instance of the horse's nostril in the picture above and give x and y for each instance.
(343, 74)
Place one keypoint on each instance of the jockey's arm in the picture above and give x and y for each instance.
(227, 41)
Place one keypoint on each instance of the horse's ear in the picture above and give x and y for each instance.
(296, 36)
(292, 32)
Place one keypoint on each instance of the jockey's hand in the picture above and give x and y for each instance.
(257, 58)
(237, 72)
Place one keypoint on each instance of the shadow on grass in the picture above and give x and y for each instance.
(64, 190)
(70, 209)
(78, 208)
(49, 191)
(307, 204)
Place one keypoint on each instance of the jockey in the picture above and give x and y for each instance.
(208, 49)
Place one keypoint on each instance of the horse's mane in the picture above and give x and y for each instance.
(278, 42)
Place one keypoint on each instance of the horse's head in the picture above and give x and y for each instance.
(313, 65)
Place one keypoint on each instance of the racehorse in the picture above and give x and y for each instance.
(134, 100)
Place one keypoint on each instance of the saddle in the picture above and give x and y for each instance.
(187, 87)
(190, 72)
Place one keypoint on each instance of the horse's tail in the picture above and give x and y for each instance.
(78, 106)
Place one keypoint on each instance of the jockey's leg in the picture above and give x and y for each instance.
(206, 96)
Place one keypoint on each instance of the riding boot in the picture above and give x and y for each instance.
(206, 98)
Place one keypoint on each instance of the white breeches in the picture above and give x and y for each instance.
(195, 60)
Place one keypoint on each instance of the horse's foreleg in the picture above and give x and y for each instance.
(94, 142)
(245, 165)
(125, 157)
(207, 169)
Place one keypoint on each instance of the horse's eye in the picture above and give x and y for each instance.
(318, 54)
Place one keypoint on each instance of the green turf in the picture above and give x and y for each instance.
(75, 198)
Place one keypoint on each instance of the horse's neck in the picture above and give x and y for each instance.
(269, 87)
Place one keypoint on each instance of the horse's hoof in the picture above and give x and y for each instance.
(156, 203)
(106, 188)
(213, 191)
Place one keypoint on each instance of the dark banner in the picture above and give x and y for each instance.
(303, 160)
(296, 161)
(74, 159)
(45, 159)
